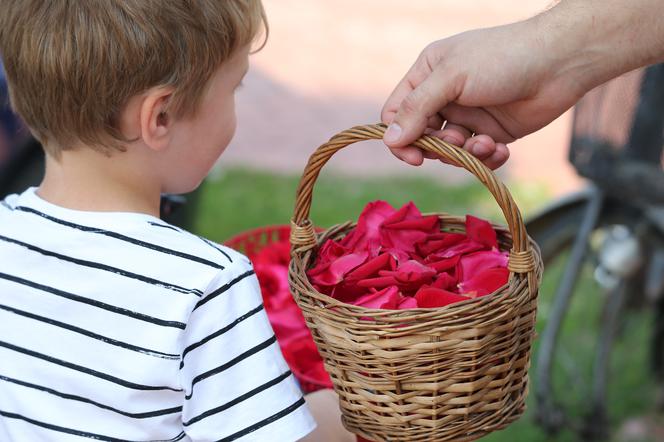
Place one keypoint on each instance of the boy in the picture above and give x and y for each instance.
(113, 324)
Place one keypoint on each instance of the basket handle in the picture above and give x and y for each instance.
(303, 237)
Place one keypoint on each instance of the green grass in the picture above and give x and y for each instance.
(239, 200)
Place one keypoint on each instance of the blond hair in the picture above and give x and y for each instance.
(72, 65)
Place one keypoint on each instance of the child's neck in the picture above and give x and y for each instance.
(87, 180)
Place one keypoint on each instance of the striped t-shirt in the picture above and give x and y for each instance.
(120, 327)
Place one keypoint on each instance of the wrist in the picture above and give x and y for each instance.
(588, 42)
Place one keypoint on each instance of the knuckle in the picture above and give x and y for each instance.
(410, 104)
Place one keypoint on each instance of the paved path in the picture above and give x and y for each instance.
(329, 65)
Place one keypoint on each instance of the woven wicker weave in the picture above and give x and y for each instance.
(451, 373)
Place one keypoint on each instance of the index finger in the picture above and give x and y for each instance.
(417, 73)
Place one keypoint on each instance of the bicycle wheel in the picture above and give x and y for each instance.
(582, 321)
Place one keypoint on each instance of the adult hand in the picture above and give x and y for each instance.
(492, 86)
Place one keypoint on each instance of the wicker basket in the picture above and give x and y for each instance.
(251, 243)
(451, 373)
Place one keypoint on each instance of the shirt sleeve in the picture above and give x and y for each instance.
(237, 385)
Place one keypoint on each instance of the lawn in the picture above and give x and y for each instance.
(237, 200)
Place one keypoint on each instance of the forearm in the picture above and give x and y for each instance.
(596, 40)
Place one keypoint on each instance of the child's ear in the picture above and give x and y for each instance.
(156, 118)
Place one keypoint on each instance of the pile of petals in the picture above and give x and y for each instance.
(293, 336)
(399, 259)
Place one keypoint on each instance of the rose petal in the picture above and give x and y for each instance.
(444, 264)
(329, 252)
(486, 281)
(481, 231)
(472, 264)
(424, 223)
(406, 212)
(429, 297)
(336, 271)
(444, 281)
(387, 298)
(402, 240)
(406, 227)
(407, 302)
(379, 282)
(438, 241)
(410, 272)
(466, 246)
(366, 233)
(383, 261)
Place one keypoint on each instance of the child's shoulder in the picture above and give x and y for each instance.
(127, 242)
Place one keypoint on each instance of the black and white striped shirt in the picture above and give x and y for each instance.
(120, 327)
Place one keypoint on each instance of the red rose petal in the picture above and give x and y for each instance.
(336, 271)
(429, 297)
(444, 281)
(472, 264)
(438, 241)
(425, 223)
(329, 251)
(381, 262)
(410, 272)
(406, 212)
(387, 298)
(481, 231)
(407, 302)
(368, 225)
(406, 227)
(379, 282)
(486, 281)
(444, 264)
(465, 246)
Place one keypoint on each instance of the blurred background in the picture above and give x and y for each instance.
(328, 66)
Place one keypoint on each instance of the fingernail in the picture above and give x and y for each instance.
(453, 140)
(479, 149)
(393, 133)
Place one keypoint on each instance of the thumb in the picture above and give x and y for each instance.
(412, 116)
